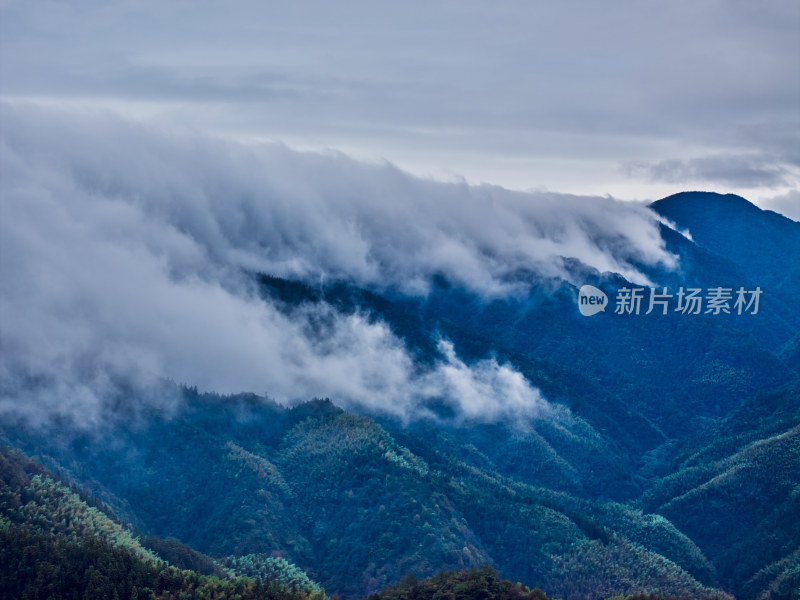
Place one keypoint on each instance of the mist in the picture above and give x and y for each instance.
(127, 254)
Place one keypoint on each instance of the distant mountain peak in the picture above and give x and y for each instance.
(762, 243)
(706, 200)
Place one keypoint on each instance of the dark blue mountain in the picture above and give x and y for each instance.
(763, 244)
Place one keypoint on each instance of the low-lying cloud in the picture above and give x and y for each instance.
(125, 254)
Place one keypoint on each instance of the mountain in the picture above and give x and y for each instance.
(663, 457)
(735, 493)
(56, 545)
(338, 495)
(762, 243)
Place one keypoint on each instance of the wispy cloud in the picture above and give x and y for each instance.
(730, 170)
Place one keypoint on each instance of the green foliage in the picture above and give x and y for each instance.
(277, 569)
(38, 565)
(659, 535)
(778, 581)
(592, 570)
(355, 506)
(476, 584)
(53, 545)
(727, 505)
(182, 556)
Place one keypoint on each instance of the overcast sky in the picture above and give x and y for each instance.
(637, 99)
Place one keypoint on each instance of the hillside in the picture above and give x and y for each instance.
(54, 545)
(356, 509)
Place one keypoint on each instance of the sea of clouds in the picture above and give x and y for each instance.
(127, 254)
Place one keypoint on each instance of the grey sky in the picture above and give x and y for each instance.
(636, 99)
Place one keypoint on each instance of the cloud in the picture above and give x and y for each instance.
(126, 255)
(486, 390)
(312, 215)
(731, 170)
